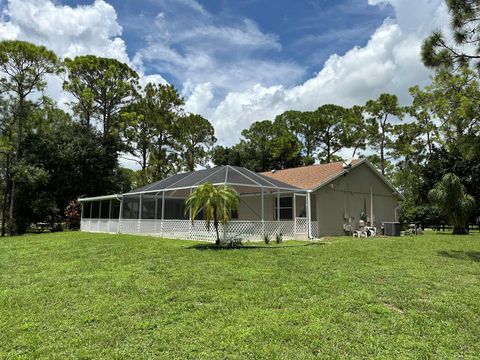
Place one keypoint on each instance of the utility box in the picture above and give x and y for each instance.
(391, 228)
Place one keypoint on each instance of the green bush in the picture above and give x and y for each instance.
(279, 238)
(266, 238)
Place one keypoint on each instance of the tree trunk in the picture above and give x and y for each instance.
(382, 144)
(106, 125)
(190, 160)
(382, 153)
(16, 159)
(460, 230)
(144, 159)
(6, 195)
(429, 144)
(215, 224)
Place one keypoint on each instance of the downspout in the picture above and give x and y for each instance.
(371, 207)
(190, 220)
(263, 214)
(109, 214)
(396, 213)
(120, 214)
(91, 209)
(163, 211)
(156, 211)
(278, 212)
(140, 206)
(309, 216)
(294, 214)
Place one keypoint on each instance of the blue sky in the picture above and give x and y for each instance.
(236, 62)
(307, 31)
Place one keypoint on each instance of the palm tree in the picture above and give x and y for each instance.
(217, 203)
(450, 196)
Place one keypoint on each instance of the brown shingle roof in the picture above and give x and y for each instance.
(309, 177)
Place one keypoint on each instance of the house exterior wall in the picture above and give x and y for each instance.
(251, 206)
(344, 199)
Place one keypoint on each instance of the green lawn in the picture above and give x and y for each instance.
(78, 295)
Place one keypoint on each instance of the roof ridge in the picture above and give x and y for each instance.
(307, 166)
(311, 176)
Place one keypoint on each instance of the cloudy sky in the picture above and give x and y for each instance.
(236, 62)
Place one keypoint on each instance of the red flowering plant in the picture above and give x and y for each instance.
(72, 213)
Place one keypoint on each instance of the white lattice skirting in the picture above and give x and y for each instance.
(185, 229)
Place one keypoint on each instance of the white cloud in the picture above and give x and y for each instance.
(194, 47)
(390, 62)
(69, 31)
(198, 97)
(227, 70)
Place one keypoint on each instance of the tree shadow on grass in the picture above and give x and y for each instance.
(462, 255)
(202, 247)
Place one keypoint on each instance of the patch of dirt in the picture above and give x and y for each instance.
(394, 308)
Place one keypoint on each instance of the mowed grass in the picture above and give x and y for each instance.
(80, 295)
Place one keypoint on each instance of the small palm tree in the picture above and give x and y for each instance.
(217, 203)
(450, 196)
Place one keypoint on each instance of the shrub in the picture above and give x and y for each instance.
(72, 213)
(279, 238)
(266, 238)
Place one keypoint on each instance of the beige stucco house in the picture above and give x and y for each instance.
(340, 192)
(299, 203)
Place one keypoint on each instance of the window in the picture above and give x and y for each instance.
(105, 209)
(286, 208)
(148, 206)
(86, 210)
(159, 207)
(131, 205)
(95, 209)
(115, 209)
(199, 215)
(175, 209)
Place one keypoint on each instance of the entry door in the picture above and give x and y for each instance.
(300, 213)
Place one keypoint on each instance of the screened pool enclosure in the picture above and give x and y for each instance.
(267, 206)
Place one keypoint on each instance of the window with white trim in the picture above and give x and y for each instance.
(286, 208)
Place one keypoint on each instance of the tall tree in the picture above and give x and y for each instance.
(305, 129)
(6, 151)
(194, 136)
(23, 67)
(414, 142)
(423, 110)
(455, 100)
(223, 155)
(270, 146)
(380, 127)
(438, 52)
(102, 87)
(165, 106)
(266, 145)
(337, 128)
(62, 161)
(356, 138)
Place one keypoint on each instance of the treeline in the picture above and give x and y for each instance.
(414, 145)
(330, 133)
(50, 156)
